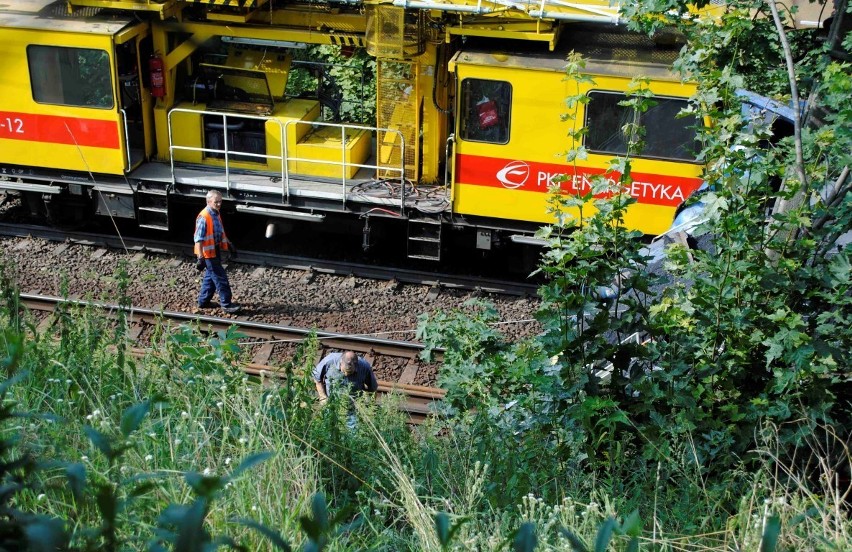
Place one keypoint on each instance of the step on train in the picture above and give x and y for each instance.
(128, 108)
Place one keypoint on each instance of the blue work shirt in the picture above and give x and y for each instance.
(201, 227)
(328, 372)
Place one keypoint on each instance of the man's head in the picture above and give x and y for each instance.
(214, 199)
(348, 363)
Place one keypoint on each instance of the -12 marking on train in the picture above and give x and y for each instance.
(15, 125)
(56, 129)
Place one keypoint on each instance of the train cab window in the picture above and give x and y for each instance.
(70, 76)
(666, 135)
(486, 110)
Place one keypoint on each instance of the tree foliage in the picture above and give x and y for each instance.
(750, 330)
(343, 81)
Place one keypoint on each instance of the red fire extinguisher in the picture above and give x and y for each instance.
(158, 78)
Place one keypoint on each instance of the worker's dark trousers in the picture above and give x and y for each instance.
(215, 279)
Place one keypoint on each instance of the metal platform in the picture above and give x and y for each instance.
(363, 190)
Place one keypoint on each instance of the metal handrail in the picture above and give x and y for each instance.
(126, 137)
(284, 157)
(592, 12)
(285, 189)
(450, 167)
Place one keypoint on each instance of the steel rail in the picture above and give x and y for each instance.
(259, 330)
(337, 268)
(418, 398)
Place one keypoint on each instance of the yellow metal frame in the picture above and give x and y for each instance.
(195, 34)
(506, 26)
(166, 9)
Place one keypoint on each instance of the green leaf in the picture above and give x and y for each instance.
(319, 509)
(811, 512)
(442, 527)
(310, 528)
(604, 535)
(204, 485)
(345, 528)
(839, 270)
(8, 383)
(107, 503)
(191, 535)
(46, 535)
(445, 530)
(632, 526)
(225, 541)
(14, 345)
(249, 463)
(133, 416)
(277, 540)
(101, 441)
(76, 475)
(771, 532)
(525, 539)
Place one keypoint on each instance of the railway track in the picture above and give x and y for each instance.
(311, 265)
(417, 398)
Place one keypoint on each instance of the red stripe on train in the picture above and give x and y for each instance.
(532, 176)
(53, 129)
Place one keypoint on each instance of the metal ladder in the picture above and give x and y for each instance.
(152, 207)
(424, 238)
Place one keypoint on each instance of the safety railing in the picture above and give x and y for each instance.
(591, 11)
(450, 167)
(123, 114)
(285, 156)
(227, 153)
(343, 163)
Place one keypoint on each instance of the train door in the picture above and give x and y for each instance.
(510, 139)
(132, 50)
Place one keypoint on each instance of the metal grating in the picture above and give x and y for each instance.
(60, 10)
(394, 33)
(245, 4)
(397, 109)
(626, 47)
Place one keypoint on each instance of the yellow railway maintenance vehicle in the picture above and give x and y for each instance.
(128, 109)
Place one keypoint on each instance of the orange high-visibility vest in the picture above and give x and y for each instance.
(207, 247)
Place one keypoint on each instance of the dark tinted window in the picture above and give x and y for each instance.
(666, 135)
(70, 76)
(486, 110)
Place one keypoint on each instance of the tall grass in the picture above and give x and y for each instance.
(161, 434)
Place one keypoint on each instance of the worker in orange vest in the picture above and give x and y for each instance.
(210, 243)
